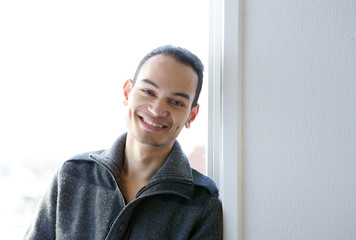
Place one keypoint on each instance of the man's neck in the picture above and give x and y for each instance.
(141, 162)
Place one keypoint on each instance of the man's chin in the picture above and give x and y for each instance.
(149, 141)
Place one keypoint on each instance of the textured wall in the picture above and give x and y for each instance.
(299, 121)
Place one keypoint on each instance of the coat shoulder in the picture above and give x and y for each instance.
(206, 182)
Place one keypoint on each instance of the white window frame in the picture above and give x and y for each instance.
(224, 155)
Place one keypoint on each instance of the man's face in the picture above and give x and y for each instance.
(160, 103)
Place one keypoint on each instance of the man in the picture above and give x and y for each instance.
(142, 187)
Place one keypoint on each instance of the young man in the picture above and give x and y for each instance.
(142, 187)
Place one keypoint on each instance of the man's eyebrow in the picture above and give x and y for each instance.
(179, 94)
(186, 96)
(151, 83)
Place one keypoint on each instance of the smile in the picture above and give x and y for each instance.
(152, 123)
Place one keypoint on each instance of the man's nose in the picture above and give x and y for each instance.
(158, 108)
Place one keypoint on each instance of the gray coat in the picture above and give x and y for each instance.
(84, 201)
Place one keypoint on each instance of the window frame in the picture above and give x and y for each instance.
(224, 156)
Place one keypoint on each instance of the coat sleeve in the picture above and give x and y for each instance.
(210, 225)
(43, 226)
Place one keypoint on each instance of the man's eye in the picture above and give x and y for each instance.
(147, 91)
(178, 103)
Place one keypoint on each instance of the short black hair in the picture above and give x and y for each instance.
(181, 55)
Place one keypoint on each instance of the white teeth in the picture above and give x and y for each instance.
(152, 123)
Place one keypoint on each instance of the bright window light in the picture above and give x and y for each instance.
(62, 67)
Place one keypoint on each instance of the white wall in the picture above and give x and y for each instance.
(299, 120)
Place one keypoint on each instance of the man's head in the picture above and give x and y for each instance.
(181, 55)
(162, 99)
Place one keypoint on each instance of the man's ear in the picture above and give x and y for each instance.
(192, 116)
(127, 89)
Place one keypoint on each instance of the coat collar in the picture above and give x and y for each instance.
(176, 168)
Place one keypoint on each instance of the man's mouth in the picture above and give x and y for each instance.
(152, 123)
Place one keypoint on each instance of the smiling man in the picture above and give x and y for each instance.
(142, 187)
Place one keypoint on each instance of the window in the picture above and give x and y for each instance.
(224, 146)
(63, 65)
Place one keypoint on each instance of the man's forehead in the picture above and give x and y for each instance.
(166, 73)
(168, 64)
(158, 60)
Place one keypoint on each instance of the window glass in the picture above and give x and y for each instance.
(63, 65)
